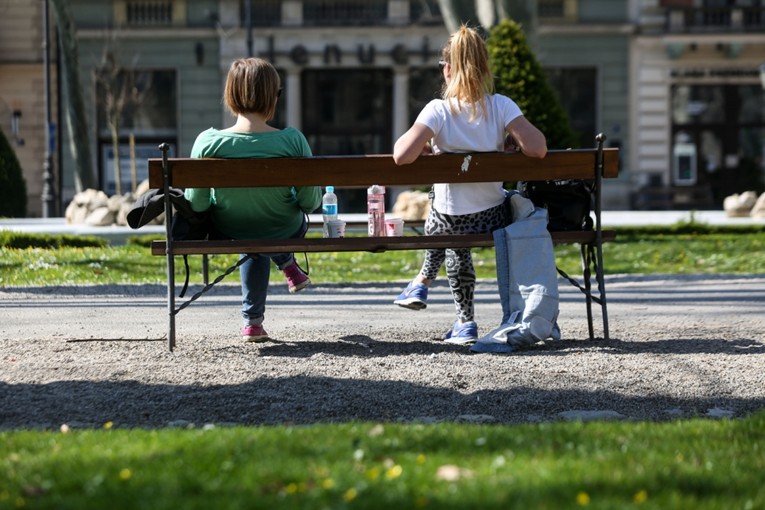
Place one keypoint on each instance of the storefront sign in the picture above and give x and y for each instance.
(332, 53)
(714, 73)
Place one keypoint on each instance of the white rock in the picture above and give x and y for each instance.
(412, 205)
(758, 211)
(123, 212)
(591, 415)
(739, 205)
(142, 188)
(101, 217)
(114, 202)
(75, 214)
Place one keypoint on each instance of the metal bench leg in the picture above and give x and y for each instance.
(587, 287)
(169, 250)
(205, 269)
(602, 289)
(601, 138)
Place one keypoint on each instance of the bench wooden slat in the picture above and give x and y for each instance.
(361, 171)
(367, 244)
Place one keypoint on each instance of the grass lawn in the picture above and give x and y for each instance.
(690, 464)
(652, 252)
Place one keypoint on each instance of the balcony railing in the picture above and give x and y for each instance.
(149, 12)
(339, 12)
(716, 19)
(345, 12)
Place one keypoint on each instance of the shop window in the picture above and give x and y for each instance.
(425, 85)
(347, 112)
(577, 89)
(148, 113)
(726, 125)
(694, 104)
(552, 11)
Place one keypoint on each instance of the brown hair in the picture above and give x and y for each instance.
(471, 79)
(252, 86)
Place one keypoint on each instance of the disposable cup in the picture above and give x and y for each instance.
(336, 228)
(394, 227)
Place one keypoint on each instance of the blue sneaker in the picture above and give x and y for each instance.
(462, 333)
(414, 297)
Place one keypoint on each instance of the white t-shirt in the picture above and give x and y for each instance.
(453, 133)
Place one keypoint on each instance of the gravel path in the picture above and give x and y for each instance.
(680, 346)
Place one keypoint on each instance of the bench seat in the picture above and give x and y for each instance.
(366, 244)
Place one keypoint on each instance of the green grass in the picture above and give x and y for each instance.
(645, 250)
(690, 464)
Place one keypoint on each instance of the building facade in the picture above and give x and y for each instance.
(22, 92)
(355, 73)
(584, 47)
(697, 105)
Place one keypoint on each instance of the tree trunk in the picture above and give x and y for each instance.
(77, 121)
(116, 149)
(482, 14)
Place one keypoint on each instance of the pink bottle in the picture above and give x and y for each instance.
(376, 210)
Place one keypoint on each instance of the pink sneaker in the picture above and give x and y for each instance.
(296, 278)
(255, 334)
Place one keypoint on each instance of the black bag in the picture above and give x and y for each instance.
(186, 225)
(568, 202)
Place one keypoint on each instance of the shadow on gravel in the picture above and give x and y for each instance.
(363, 346)
(307, 400)
(665, 346)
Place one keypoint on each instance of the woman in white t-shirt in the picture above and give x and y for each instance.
(469, 118)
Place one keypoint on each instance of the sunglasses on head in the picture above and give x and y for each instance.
(442, 64)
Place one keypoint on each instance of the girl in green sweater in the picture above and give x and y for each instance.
(252, 89)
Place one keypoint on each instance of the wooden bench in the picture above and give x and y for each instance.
(362, 171)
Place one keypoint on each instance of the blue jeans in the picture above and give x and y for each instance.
(254, 275)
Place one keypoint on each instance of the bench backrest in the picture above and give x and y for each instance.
(362, 171)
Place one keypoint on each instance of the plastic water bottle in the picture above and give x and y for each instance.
(329, 207)
(376, 210)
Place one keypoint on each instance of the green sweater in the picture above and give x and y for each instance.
(254, 213)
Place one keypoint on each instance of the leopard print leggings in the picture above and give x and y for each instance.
(459, 262)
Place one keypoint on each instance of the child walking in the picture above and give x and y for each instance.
(252, 88)
(468, 118)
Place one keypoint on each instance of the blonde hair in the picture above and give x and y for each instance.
(470, 76)
(252, 86)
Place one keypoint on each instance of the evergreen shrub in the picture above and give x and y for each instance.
(519, 76)
(13, 188)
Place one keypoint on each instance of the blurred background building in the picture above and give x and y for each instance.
(697, 106)
(673, 83)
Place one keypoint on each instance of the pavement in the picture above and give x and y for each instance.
(118, 235)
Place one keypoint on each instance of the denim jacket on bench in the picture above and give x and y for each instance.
(528, 283)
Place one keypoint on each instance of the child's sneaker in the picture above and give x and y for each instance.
(414, 297)
(255, 334)
(296, 278)
(462, 333)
